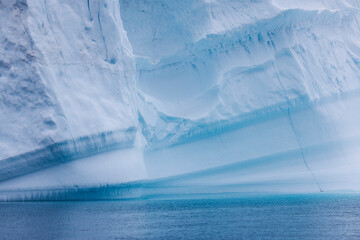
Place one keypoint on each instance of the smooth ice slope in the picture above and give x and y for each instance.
(224, 96)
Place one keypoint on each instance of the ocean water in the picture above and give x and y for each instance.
(254, 217)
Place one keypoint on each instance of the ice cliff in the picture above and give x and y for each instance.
(112, 99)
(67, 83)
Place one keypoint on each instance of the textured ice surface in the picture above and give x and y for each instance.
(67, 82)
(207, 96)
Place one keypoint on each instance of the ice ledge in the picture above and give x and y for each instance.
(65, 151)
(202, 129)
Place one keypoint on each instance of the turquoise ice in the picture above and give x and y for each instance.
(139, 98)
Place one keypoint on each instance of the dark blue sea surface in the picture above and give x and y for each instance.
(253, 217)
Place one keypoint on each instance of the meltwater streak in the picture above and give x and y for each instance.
(279, 173)
(245, 101)
(62, 152)
(259, 156)
(252, 156)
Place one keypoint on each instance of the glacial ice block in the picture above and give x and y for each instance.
(178, 97)
(67, 83)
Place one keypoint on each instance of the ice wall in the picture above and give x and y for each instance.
(211, 96)
(67, 83)
(268, 88)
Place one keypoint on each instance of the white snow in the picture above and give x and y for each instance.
(67, 72)
(217, 95)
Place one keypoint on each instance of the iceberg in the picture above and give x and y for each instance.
(127, 99)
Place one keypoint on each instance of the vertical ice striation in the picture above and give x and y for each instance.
(206, 96)
(269, 88)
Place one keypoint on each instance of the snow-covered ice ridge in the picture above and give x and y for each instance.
(190, 97)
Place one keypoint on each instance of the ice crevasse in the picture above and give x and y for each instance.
(119, 99)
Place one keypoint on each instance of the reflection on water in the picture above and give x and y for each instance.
(270, 217)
